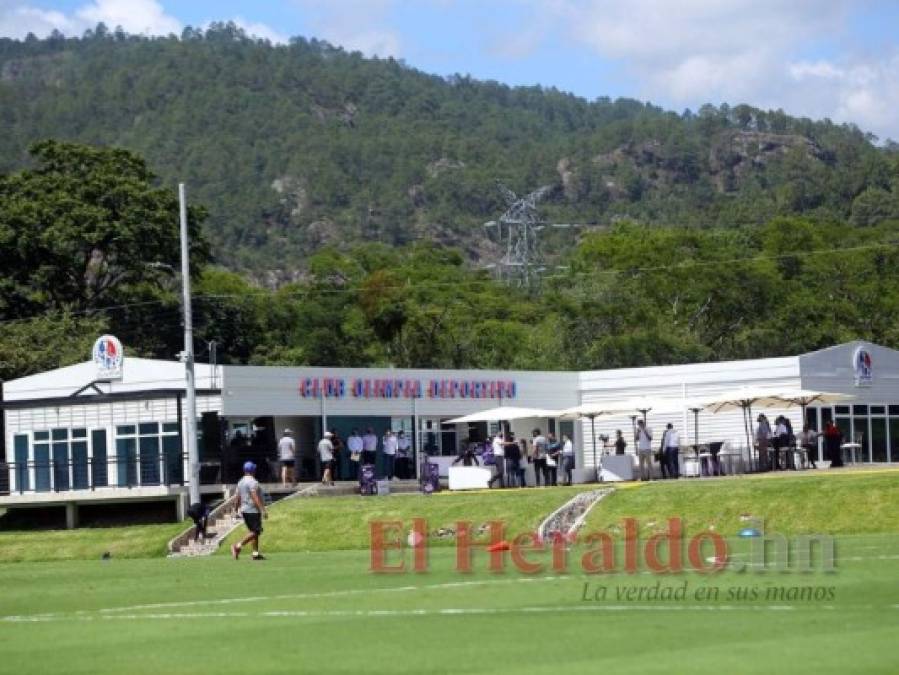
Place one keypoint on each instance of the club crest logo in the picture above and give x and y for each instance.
(862, 364)
(109, 357)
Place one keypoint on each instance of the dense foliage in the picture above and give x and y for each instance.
(633, 295)
(298, 147)
(729, 233)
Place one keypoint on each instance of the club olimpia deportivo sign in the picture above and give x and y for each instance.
(109, 357)
(380, 388)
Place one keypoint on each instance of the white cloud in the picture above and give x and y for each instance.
(863, 91)
(356, 25)
(134, 16)
(261, 30)
(691, 52)
(17, 19)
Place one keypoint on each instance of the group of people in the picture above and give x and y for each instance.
(511, 456)
(359, 449)
(776, 443)
(667, 454)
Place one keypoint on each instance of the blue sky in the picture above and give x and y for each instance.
(820, 58)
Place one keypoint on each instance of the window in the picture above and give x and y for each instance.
(149, 453)
(99, 458)
(20, 444)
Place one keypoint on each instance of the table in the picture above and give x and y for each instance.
(617, 468)
(852, 447)
(469, 477)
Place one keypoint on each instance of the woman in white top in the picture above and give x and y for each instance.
(567, 458)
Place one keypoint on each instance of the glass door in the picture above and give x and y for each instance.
(878, 439)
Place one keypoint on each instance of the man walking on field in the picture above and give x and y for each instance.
(252, 508)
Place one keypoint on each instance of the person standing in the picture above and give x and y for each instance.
(513, 462)
(672, 448)
(287, 454)
(790, 444)
(553, 452)
(369, 447)
(499, 460)
(644, 450)
(523, 460)
(251, 507)
(354, 445)
(620, 443)
(538, 441)
(388, 447)
(403, 455)
(762, 438)
(833, 439)
(808, 440)
(326, 454)
(781, 441)
(340, 458)
(568, 458)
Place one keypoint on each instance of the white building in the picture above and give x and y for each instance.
(70, 439)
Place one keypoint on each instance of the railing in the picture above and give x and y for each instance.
(91, 473)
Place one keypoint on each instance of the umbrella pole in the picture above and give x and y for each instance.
(752, 460)
(593, 439)
(696, 428)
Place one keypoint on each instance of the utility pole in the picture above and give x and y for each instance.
(187, 357)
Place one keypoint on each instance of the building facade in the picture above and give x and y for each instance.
(70, 436)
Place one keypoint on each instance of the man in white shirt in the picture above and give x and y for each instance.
(369, 446)
(499, 459)
(403, 455)
(389, 449)
(644, 450)
(326, 454)
(354, 445)
(287, 454)
(541, 468)
(672, 448)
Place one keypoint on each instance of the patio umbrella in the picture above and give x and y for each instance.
(590, 411)
(804, 398)
(504, 413)
(743, 398)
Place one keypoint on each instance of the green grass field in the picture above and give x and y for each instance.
(321, 610)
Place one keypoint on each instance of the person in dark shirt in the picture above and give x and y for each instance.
(199, 513)
(620, 443)
(513, 463)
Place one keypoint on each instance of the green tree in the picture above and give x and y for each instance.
(85, 228)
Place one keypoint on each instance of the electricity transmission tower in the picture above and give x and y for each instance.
(518, 229)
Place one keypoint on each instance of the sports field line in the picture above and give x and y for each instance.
(375, 613)
(324, 594)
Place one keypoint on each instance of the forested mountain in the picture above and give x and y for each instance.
(299, 147)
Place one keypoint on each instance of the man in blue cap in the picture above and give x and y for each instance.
(252, 508)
